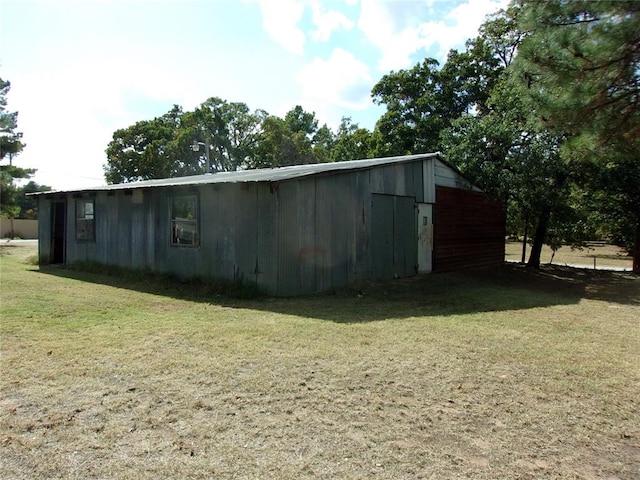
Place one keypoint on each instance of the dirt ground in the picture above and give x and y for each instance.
(595, 254)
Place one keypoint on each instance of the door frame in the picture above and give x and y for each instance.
(424, 218)
(58, 231)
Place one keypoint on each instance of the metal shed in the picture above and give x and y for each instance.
(292, 230)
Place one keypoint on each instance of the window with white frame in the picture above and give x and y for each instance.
(85, 220)
(184, 221)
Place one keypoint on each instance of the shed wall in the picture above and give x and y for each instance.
(469, 230)
(297, 236)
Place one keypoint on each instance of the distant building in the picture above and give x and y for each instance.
(292, 230)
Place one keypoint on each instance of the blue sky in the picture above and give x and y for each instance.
(80, 70)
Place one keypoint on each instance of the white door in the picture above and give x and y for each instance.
(425, 237)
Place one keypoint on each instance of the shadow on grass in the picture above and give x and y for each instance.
(510, 287)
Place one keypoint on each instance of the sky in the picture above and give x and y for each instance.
(80, 70)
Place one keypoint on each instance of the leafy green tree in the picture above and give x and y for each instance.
(413, 120)
(515, 163)
(580, 62)
(278, 146)
(579, 65)
(500, 146)
(352, 142)
(232, 131)
(29, 205)
(151, 149)
(292, 140)
(424, 100)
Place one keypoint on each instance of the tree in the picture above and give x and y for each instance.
(10, 146)
(279, 146)
(351, 142)
(231, 130)
(29, 205)
(10, 140)
(151, 149)
(580, 68)
(512, 161)
(423, 101)
(292, 140)
(580, 61)
(501, 147)
(412, 121)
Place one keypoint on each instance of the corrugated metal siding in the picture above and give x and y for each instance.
(394, 243)
(322, 232)
(272, 175)
(469, 230)
(446, 176)
(306, 234)
(44, 230)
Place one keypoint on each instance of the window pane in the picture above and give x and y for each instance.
(88, 210)
(184, 208)
(85, 226)
(184, 220)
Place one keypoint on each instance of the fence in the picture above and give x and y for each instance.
(18, 228)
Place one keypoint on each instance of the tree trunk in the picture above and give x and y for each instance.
(636, 250)
(538, 239)
(524, 241)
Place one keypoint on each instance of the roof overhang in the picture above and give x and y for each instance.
(269, 175)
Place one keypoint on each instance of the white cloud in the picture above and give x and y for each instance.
(337, 83)
(458, 25)
(327, 22)
(393, 29)
(69, 118)
(280, 20)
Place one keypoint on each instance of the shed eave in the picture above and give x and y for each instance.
(269, 175)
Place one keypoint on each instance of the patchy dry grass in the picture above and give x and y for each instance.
(508, 374)
(605, 255)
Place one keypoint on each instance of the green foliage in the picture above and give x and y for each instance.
(13, 202)
(580, 63)
(502, 148)
(280, 144)
(148, 149)
(231, 130)
(10, 140)
(424, 100)
(579, 68)
(237, 139)
(352, 142)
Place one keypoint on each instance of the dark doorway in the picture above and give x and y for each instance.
(58, 227)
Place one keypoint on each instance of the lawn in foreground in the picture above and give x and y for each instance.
(505, 374)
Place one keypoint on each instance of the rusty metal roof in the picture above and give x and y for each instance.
(259, 175)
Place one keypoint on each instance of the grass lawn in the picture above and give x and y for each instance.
(504, 374)
(605, 256)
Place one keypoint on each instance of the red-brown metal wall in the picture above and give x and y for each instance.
(469, 230)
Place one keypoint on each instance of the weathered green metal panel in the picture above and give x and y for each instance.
(306, 259)
(360, 267)
(322, 253)
(264, 259)
(405, 241)
(393, 236)
(382, 236)
(44, 230)
(343, 202)
(290, 233)
(288, 238)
